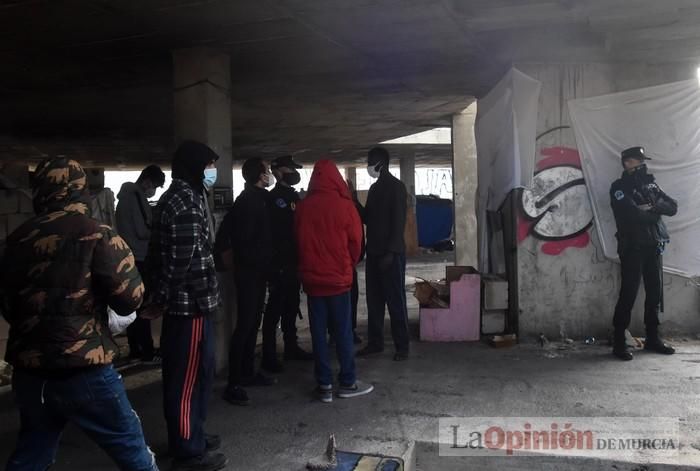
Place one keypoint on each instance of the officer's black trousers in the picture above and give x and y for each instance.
(282, 304)
(636, 264)
(386, 287)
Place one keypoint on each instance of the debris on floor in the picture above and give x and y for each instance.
(328, 460)
(432, 294)
(335, 460)
(502, 341)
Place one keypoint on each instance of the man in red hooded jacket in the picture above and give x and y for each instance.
(329, 238)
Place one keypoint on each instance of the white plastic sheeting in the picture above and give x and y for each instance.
(665, 120)
(505, 132)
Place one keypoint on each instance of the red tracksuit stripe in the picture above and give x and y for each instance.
(189, 383)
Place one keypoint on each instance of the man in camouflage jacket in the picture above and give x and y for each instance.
(59, 273)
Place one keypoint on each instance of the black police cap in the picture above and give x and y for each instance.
(285, 161)
(634, 153)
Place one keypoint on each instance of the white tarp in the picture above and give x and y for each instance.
(505, 132)
(665, 120)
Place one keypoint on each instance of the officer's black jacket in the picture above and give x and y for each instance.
(385, 215)
(283, 200)
(637, 227)
(251, 233)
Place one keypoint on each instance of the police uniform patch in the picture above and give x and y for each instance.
(281, 203)
(619, 195)
(293, 206)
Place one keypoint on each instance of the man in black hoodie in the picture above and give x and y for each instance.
(385, 218)
(251, 239)
(638, 203)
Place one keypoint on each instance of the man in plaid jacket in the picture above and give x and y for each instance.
(186, 291)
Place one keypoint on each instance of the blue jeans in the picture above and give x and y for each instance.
(95, 400)
(333, 312)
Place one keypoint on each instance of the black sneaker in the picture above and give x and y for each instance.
(258, 380)
(401, 356)
(325, 393)
(623, 354)
(236, 395)
(369, 350)
(212, 442)
(205, 462)
(272, 366)
(357, 389)
(297, 353)
(659, 347)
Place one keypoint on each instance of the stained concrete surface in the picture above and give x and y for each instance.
(284, 426)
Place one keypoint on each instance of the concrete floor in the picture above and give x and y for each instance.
(285, 425)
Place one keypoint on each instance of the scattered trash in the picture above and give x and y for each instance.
(633, 342)
(542, 340)
(568, 341)
(502, 341)
(328, 460)
(551, 355)
(432, 294)
(590, 341)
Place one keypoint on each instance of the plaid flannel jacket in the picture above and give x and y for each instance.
(181, 261)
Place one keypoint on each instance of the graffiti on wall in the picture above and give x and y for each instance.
(557, 209)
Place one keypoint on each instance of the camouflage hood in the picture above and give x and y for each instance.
(58, 184)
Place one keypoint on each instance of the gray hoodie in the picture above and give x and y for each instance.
(134, 219)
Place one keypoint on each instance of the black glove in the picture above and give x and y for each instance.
(386, 260)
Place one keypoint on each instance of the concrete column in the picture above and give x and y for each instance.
(202, 85)
(351, 176)
(203, 104)
(407, 165)
(464, 184)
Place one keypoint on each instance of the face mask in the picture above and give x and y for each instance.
(209, 178)
(267, 179)
(373, 170)
(291, 179)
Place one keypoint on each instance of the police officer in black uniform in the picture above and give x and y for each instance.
(638, 204)
(283, 281)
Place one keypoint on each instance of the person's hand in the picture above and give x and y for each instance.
(152, 311)
(385, 261)
(646, 207)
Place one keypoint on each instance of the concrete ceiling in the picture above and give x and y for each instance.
(94, 78)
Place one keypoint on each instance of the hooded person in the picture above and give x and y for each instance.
(329, 243)
(61, 271)
(134, 220)
(185, 290)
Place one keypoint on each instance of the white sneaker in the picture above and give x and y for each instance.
(357, 389)
(325, 393)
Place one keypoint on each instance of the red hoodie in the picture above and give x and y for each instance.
(328, 233)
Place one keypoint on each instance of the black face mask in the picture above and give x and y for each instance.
(291, 179)
(640, 171)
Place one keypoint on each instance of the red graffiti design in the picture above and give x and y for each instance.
(557, 209)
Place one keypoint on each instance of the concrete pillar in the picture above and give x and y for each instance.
(464, 184)
(407, 164)
(351, 176)
(203, 104)
(202, 85)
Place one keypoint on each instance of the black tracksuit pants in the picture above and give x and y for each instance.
(139, 332)
(387, 287)
(638, 264)
(282, 304)
(187, 344)
(250, 294)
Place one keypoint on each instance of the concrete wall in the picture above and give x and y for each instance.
(569, 282)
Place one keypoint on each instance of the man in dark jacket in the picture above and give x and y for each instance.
(385, 218)
(251, 241)
(185, 290)
(329, 237)
(283, 282)
(134, 221)
(60, 272)
(638, 204)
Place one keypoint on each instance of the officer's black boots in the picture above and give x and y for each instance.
(620, 348)
(655, 344)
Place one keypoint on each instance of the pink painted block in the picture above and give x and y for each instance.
(461, 321)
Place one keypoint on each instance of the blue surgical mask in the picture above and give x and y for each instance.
(209, 178)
